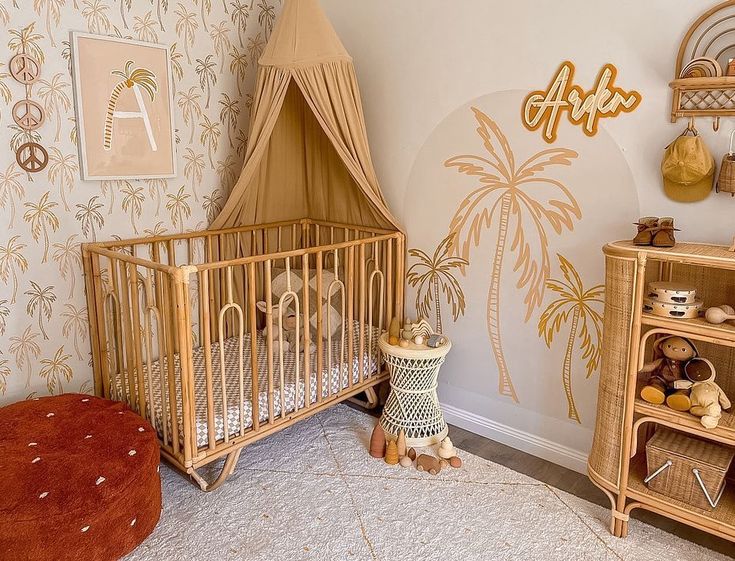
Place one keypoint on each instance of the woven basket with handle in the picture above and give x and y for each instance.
(726, 180)
(687, 469)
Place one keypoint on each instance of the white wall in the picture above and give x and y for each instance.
(420, 63)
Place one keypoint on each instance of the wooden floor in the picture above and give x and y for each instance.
(571, 482)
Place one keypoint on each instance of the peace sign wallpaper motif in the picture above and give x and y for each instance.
(47, 215)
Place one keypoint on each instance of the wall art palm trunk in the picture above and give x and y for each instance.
(509, 198)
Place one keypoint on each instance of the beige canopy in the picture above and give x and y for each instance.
(308, 154)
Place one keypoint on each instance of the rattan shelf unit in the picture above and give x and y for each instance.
(625, 422)
(714, 97)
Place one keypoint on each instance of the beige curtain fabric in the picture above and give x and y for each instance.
(308, 155)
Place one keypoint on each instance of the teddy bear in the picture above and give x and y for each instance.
(673, 353)
(707, 398)
(289, 324)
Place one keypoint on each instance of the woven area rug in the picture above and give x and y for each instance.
(312, 492)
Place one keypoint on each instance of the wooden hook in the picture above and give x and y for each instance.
(716, 124)
(691, 127)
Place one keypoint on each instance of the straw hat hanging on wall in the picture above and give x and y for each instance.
(726, 180)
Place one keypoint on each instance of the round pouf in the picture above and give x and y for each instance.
(78, 479)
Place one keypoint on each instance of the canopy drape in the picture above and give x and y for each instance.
(308, 153)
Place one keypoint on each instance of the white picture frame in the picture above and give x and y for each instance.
(115, 144)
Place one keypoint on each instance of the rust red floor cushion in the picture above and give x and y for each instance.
(79, 479)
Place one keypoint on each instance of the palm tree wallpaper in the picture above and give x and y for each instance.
(45, 217)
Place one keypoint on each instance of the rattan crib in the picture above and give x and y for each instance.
(176, 333)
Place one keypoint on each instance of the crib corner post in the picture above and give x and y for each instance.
(181, 278)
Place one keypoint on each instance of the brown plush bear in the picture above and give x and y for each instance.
(665, 370)
(708, 399)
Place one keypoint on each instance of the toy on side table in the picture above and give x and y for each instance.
(666, 370)
(707, 398)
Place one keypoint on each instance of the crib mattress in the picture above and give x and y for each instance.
(335, 377)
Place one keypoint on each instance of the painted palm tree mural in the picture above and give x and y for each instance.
(133, 79)
(517, 203)
(576, 304)
(432, 275)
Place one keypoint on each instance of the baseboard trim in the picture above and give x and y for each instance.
(521, 440)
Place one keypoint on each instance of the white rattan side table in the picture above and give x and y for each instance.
(413, 404)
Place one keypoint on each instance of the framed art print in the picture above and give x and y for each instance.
(124, 101)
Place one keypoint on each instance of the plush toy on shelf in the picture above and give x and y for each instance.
(666, 370)
(708, 399)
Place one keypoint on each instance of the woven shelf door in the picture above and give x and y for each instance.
(413, 404)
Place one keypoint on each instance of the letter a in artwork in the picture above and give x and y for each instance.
(135, 79)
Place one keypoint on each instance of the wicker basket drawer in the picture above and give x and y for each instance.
(687, 469)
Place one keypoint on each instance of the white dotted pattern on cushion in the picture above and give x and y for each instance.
(232, 377)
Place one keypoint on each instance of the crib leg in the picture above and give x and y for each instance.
(371, 399)
(227, 471)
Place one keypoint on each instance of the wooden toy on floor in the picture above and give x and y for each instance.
(406, 461)
(443, 463)
(455, 462)
(391, 453)
(401, 442)
(377, 442)
(446, 449)
(428, 463)
(719, 314)
(411, 454)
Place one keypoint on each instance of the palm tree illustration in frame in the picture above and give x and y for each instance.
(576, 304)
(124, 108)
(518, 203)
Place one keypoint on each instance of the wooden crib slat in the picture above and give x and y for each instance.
(361, 327)
(101, 332)
(350, 316)
(319, 322)
(180, 297)
(137, 344)
(254, 372)
(127, 328)
(269, 338)
(168, 318)
(204, 303)
(307, 325)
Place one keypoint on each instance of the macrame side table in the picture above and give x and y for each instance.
(413, 404)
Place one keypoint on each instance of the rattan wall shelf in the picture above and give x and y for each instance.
(624, 422)
(711, 36)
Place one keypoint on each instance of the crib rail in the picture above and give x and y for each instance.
(219, 338)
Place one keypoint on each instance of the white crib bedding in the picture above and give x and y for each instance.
(334, 379)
